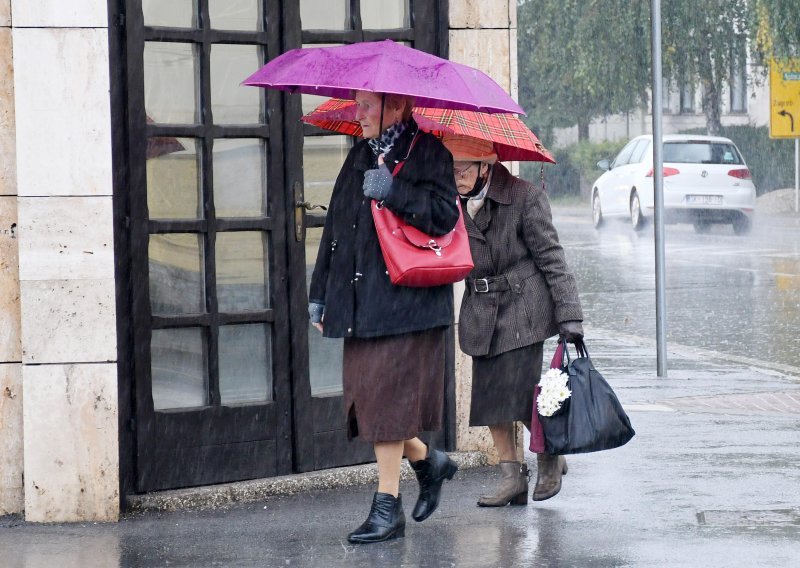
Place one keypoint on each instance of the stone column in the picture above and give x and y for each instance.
(483, 35)
(66, 262)
(11, 493)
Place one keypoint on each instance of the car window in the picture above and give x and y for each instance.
(639, 150)
(701, 152)
(625, 155)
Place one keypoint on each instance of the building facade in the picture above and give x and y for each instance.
(155, 249)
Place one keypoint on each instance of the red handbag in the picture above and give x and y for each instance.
(417, 259)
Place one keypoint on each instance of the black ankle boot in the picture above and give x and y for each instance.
(431, 473)
(386, 520)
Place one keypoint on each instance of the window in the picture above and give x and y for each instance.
(702, 152)
(625, 154)
(639, 151)
(666, 96)
(738, 79)
(209, 251)
(687, 98)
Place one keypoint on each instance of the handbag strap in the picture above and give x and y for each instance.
(401, 163)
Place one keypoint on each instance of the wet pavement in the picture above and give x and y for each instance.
(737, 295)
(711, 479)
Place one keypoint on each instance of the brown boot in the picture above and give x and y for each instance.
(513, 486)
(548, 479)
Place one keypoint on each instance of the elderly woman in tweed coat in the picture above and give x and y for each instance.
(520, 293)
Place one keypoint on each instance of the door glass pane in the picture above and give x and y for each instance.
(323, 157)
(325, 354)
(325, 14)
(242, 273)
(176, 274)
(240, 177)
(170, 80)
(243, 15)
(385, 15)
(178, 366)
(173, 178)
(245, 363)
(172, 14)
(232, 103)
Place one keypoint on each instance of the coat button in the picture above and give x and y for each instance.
(349, 330)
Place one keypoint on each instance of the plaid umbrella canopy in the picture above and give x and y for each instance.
(513, 141)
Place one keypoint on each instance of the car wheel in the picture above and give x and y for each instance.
(637, 219)
(597, 212)
(742, 225)
(701, 226)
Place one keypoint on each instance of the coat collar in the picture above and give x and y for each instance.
(501, 184)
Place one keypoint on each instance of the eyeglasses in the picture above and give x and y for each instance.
(462, 173)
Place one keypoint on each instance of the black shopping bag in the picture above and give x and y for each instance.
(591, 419)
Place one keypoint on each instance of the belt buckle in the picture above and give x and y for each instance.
(481, 289)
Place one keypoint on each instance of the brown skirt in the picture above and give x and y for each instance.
(394, 385)
(502, 386)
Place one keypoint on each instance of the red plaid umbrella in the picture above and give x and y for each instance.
(512, 139)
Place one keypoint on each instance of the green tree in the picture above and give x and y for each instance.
(703, 41)
(776, 25)
(580, 59)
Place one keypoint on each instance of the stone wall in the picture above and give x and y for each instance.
(11, 492)
(483, 35)
(65, 264)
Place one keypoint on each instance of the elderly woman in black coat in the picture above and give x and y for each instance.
(519, 293)
(394, 336)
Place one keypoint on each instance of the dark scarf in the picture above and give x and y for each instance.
(479, 183)
(383, 144)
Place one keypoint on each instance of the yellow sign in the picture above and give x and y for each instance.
(784, 97)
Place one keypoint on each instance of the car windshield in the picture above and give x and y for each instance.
(701, 152)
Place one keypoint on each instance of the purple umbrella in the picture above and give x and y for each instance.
(384, 67)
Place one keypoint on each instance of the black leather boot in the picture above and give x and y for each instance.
(386, 520)
(431, 473)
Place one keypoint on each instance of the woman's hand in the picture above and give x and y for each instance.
(571, 331)
(316, 313)
(378, 183)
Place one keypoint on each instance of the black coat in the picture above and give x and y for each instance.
(350, 276)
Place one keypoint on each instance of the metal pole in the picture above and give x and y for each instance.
(797, 175)
(658, 189)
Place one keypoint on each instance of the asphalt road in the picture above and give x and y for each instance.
(730, 294)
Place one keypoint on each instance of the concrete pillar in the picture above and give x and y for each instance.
(483, 35)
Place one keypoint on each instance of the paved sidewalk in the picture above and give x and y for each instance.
(711, 479)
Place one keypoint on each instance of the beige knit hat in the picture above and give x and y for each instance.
(469, 149)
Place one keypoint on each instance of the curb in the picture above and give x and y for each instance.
(223, 495)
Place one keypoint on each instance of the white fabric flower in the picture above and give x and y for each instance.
(554, 391)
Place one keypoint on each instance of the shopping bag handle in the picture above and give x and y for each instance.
(580, 350)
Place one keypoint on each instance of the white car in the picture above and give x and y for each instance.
(706, 181)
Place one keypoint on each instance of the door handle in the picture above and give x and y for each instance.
(300, 208)
(308, 206)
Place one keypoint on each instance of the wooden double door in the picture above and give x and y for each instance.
(221, 376)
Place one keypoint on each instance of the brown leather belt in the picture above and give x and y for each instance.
(511, 280)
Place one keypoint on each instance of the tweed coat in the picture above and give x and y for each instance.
(350, 275)
(515, 248)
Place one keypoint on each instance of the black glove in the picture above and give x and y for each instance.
(378, 183)
(315, 310)
(571, 331)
